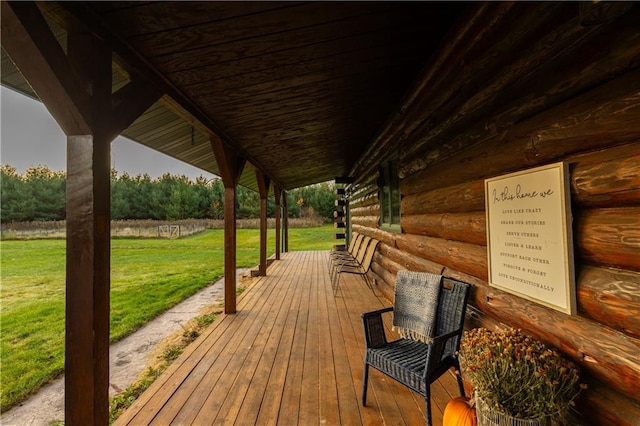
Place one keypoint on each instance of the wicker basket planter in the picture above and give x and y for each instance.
(488, 416)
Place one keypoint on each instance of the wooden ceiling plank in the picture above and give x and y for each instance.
(342, 86)
(249, 69)
(120, 6)
(250, 26)
(308, 37)
(235, 108)
(202, 153)
(325, 140)
(169, 133)
(162, 16)
(286, 119)
(307, 72)
(158, 112)
(149, 131)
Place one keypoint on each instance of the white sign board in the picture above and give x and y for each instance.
(529, 239)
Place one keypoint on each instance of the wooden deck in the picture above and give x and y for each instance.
(292, 355)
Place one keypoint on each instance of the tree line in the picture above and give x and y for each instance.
(39, 195)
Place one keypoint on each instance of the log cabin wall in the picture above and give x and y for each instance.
(517, 86)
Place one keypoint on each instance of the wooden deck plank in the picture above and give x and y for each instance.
(272, 399)
(292, 354)
(348, 400)
(167, 392)
(245, 366)
(290, 406)
(182, 369)
(329, 408)
(187, 402)
(216, 362)
(310, 386)
(240, 372)
(250, 407)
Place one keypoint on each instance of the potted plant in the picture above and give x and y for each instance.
(517, 380)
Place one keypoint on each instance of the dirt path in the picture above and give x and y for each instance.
(128, 358)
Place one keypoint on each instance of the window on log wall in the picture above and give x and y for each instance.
(389, 195)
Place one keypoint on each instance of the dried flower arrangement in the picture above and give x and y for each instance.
(518, 375)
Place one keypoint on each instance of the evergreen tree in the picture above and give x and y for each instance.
(17, 204)
(216, 210)
(48, 190)
(39, 194)
(121, 190)
(248, 203)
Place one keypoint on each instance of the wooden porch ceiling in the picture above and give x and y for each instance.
(293, 354)
(298, 89)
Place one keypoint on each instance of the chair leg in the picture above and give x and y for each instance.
(459, 378)
(427, 405)
(333, 275)
(365, 382)
(335, 288)
(366, 280)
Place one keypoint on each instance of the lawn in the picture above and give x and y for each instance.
(148, 277)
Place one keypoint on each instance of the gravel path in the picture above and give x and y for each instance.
(127, 359)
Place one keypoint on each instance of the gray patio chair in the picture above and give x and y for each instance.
(350, 252)
(429, 347)
(353, 260)
(360, 267)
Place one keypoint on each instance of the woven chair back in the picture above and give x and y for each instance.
(452, 304)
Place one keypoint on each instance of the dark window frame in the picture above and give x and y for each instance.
(389, 196)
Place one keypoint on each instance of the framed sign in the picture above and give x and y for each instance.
(529, 238)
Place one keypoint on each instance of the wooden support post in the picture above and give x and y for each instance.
(75, 86)
(285, 222)
(230, 166)
(277, 192)
(88, 281)
(230, 250)
(263, 189)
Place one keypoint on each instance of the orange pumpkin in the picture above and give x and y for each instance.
(459, 412)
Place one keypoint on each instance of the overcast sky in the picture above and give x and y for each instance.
(29, 137)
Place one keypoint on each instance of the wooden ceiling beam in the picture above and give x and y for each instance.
(141, 66)
(29, 42)
(229, 162)
(263, 184)
(131, 101)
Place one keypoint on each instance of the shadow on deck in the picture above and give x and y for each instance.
(292, 355)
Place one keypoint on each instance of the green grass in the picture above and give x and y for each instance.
(320, 238)
(147, 278)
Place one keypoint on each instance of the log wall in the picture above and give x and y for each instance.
(502, 96)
